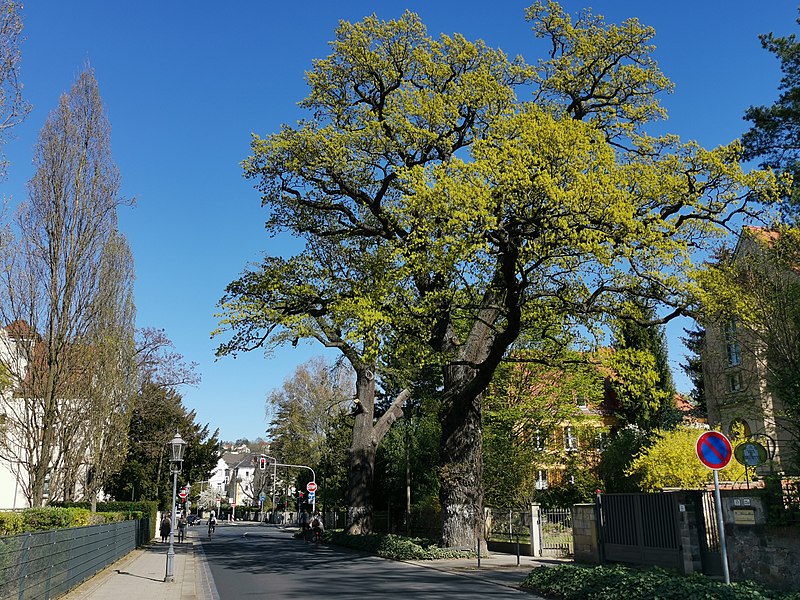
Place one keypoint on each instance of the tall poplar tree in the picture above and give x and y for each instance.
(459, 216)
(13, 106)
(70, 324)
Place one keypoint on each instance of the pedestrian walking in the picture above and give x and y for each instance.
(166, 527)
(182, 522)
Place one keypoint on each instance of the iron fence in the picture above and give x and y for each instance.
(556, 532)
(508, 525)
(709, 516)
(45, 565)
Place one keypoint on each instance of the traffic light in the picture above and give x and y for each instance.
(262, 463)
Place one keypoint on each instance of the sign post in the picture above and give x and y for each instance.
(714, 451)
(311, 488)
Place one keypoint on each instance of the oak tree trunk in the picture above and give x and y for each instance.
(461, 493)
(362, 457)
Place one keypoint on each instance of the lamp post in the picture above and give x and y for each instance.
(177, 446)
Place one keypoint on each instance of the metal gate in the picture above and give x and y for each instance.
(640, 529)
(710, 553)
(556, 532)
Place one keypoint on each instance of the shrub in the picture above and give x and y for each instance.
(571, 582)
(11, 523)
(49, 517)
(109, 517)
(389, 545)
(132, 510)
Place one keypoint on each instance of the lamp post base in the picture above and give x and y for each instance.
(170, 562)
(171, 552)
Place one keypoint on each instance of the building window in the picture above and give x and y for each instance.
(538, 440)
(733, 353)
(739, 427)
(541, 480)
(735, 382)
(570, 439)
(602, 441)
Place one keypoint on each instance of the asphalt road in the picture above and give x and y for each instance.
(264, 562)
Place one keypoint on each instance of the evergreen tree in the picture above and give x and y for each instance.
(774, 137)
(158, 413)
(644, 384)
(693, 368)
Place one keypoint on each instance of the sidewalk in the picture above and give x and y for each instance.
(140, 575)
(498, 568)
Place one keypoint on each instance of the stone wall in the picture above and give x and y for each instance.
(757, 551)
(585, 534)
(766, 554)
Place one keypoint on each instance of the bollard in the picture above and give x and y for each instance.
(478, 544)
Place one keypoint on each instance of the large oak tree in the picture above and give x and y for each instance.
(442, 216)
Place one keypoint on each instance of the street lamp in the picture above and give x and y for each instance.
(177, 446)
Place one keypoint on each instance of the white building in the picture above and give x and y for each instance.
(18, 418)
(233, 478)
(13, 474)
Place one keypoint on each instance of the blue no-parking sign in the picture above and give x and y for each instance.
(714, 450)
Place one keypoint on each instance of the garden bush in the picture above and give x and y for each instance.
(569, 582)
(389, 545)
(132, 510)
(99, 518)
(11, 523)
(50, 517)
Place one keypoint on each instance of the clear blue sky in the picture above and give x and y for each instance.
(185, 84)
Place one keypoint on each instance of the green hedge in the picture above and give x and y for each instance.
(570, 582)
(11, 523)
(74, 515)
(131, 510)
(52, 517)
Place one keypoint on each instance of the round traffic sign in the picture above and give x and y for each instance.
(750, 454)
(311, 486)
(183, 493)
(714, 450)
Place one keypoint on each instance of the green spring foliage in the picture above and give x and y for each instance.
(611, 583)
(56, 517)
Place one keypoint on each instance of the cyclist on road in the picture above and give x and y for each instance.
(303, 520)
(317, 527)
(212, 524)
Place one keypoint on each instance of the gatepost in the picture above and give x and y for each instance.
(536, 530)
